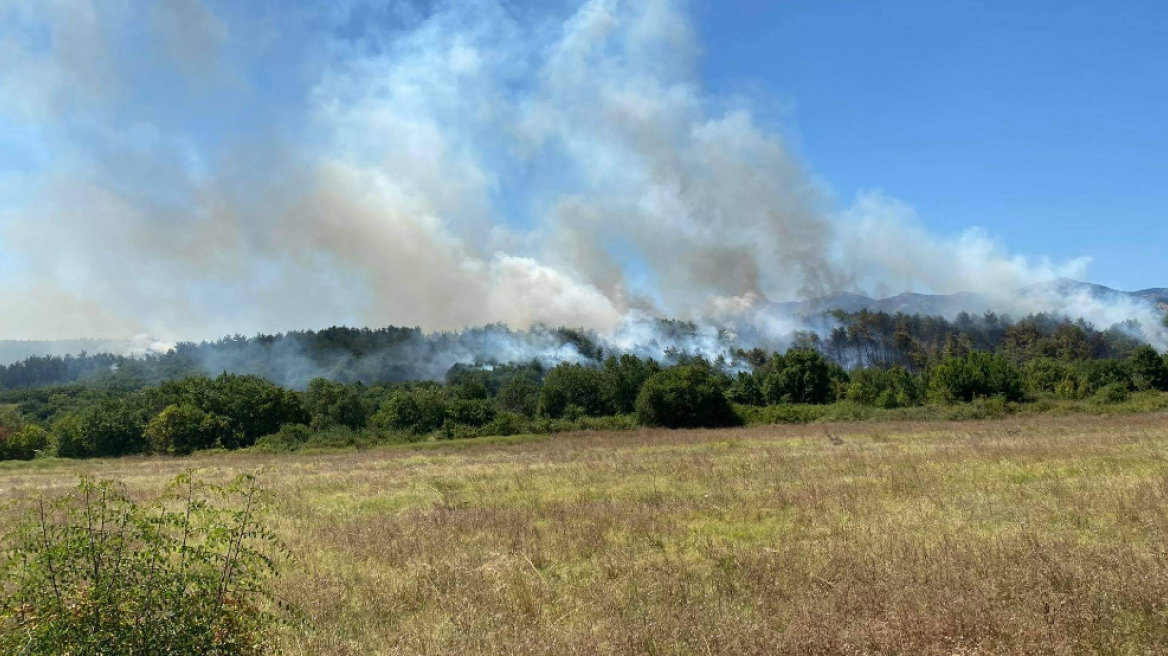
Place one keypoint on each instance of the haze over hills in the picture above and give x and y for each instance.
(1059, 295)
(1099, 304)
(13, 350)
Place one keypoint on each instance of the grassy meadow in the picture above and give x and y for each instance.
(1026, 535)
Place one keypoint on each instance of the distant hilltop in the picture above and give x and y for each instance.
(1060, 295)
(17, 350)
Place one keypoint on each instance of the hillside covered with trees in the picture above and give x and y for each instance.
(103, 405)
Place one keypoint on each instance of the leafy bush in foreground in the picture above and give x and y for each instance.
(94, 573)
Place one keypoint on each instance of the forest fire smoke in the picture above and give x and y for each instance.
(459, 168)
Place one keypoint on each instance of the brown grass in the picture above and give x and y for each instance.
(1025, 536)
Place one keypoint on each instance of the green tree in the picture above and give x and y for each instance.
(684, 397)
(976, 375)
(470, 412)
(574, 385)
(183, 429)
(746, 390)
(72, 442)
(1150, 367)
(1048, 375)
(799, 376)
(417, 411)
(24, 444)
(256, 407)
(109, 429)
(623, 378)
(519, 395)
(885, 388)
(329, 403)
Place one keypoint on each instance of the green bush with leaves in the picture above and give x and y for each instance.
(576, 385)
(685, 397)
(519, 395)
(256, 407)
(93, 573)
(977, 375)
(1149, 369)
(417, 411)
(329, 403)
(184, 429)
(1050, 376)
(109, 429)
(623, 379)
(470, 412)
(25, 444)
(799, 376)
(886, 388)
(745, 389)
(1113, 393)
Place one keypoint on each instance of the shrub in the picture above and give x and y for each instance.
(1146, 363)
(684, 397)
(507, 423)
(885, 388)
(417, 411)
(290, 437)
(95, 573)
(1096, 374)
(470, 412)
(977, 375)
(330, 403)
(184, 429)
(782, 414)
(519, 395)
(337, 437)
(1047, 375)
(109, 429)
(1113, 393)
(847, 410)
(71, 439)
(746, 390)
(25, 444)
(256, 407)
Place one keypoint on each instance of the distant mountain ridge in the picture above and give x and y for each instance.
(949, 305)
(14, 350)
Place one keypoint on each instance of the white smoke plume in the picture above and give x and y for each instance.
(456, 165)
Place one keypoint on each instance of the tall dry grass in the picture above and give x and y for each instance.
(1025, 536)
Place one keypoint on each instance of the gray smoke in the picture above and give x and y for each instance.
(459, 166)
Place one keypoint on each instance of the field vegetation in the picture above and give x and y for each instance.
(1026, 535)
(179, 417)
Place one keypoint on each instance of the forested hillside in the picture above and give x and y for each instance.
(377, 385)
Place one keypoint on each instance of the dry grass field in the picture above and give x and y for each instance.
(1040, 535)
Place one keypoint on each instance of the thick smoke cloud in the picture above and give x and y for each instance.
(195, 168)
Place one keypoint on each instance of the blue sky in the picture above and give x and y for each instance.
(193, 168)
(1044, 121)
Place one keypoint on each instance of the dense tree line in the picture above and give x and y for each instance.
(878, 339)
(293, 359)
(372, 356)
(237, 411)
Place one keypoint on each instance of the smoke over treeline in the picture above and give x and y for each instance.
(851, 339)
(458, 164)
